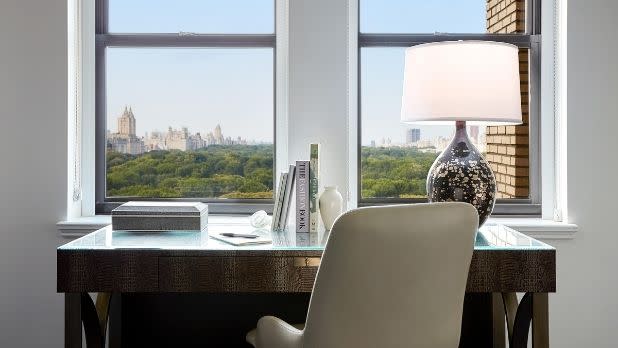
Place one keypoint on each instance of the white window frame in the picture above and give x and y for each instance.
(316, 72)
(84, 12)
(531, 40)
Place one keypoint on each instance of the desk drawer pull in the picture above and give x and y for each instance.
(307, 261)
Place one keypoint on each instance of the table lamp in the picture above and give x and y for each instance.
(462, 82)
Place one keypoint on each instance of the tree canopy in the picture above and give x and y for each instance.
(246, 171)
(217, 171)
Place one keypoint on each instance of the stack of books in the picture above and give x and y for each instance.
(302, 177)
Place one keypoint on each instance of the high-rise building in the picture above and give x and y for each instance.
(126, 122)
(413, 135)
(177, 139)
(154, 141)
(474, 134)
(218, 134)
(125, 140)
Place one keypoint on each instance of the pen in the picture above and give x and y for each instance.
(239, 235)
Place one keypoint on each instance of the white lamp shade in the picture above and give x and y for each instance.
(462, 81)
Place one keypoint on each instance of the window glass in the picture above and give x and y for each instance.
(189, 123)
(444, 16)
(196, 16)
(396, 157)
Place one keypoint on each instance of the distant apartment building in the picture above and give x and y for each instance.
(125, 140)
(178, 139)
(413, 135)
(154, 141)
(474, 134)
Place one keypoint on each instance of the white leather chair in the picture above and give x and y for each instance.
(391, 276)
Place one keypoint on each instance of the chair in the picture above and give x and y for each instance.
(390, 276)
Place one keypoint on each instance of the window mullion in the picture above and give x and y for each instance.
(179, 40)
(102, 16)
(405, 40)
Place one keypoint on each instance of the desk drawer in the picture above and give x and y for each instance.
(237, 274)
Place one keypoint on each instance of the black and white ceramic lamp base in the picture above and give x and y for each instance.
(461, 174)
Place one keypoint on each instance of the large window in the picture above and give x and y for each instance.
(185, 101)
(394, 158)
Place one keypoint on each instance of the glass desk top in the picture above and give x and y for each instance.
(490, 237)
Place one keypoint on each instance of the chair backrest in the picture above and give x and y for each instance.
(393, 276)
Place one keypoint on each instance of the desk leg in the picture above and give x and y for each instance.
(540, 321)
(499, 340)
(72, 320)
(115, 321)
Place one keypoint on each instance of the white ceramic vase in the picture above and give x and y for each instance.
(331, 206)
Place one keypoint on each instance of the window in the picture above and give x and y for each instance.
(185, 102)
(394, 158)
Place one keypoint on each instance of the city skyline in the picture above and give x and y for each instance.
(147, 133)
(125, 139)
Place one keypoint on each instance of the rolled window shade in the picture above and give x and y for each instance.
(76, 113)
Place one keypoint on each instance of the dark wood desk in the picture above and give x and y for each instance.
(109, 262)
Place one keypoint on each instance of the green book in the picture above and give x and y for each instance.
(314, 187)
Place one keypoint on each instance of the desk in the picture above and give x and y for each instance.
(107, 262)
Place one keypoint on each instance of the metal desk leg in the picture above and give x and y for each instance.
(72, 320)
(115, 324)
(540, 321)
(498, 316)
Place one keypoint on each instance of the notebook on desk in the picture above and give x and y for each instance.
(263, 237)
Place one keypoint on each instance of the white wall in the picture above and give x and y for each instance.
(33, 104)
(584, 313)
(318, 81)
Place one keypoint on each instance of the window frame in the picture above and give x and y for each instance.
(531, 40)
(105, 39)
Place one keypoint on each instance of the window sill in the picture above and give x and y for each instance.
(81, 226)
(538, 228)
(533, 227)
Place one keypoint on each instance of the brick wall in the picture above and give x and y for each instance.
(507, 146)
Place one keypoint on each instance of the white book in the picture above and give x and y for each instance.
(287, 197)
(278, 201)
(302, 196)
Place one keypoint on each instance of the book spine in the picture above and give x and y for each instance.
(287, 200)
(278, 202)
(314, 177)
(302, 196)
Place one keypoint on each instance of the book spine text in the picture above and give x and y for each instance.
(302, 196)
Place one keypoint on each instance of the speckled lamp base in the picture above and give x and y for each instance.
(461, 174)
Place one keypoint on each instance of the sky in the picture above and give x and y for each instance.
(200, 88)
